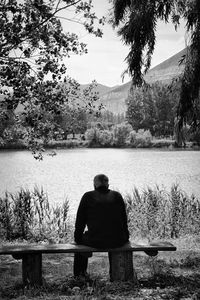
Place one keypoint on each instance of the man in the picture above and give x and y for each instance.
(103, 212)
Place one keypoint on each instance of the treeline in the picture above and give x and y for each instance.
(66, 124)
(154, 108)
(151, 112)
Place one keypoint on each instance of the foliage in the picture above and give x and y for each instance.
(106, 118)
(28, 215)
(72, 121)
(156, 213)
(33, 75)
(153, 108)
(137, 22)
(98, 137)
(105, 138)
(70, 143)
(140, 139)
(91, 136)
(121, 132)
(194, 136)
(116, 136)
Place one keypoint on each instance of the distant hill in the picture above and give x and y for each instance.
(101, 89)
(114, 99)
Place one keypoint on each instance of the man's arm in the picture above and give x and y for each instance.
(80, 220)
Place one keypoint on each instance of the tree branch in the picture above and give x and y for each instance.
(59, 9)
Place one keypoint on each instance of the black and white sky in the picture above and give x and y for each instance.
(105, 59)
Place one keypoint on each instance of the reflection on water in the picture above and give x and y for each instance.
(70, 172)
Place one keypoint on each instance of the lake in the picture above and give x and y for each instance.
(70, 173)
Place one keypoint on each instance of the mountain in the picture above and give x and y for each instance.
(114, 99)
(100, 88)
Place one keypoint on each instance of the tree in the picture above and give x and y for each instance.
(153, 108)
(120, 134)
(33, 45)
(134, 113)
(166, 102)
(137, 21)
(72, 121)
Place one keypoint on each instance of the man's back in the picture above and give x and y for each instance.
(103, 211)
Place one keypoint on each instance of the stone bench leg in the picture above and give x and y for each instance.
(32, 269)
(121, 266)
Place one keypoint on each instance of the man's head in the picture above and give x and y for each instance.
(101, 180)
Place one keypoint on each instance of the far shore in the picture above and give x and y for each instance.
(163, 143)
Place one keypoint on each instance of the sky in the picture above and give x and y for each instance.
(105, 60)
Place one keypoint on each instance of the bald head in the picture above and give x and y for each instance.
(101, 180)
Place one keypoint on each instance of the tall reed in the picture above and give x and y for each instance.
(152, 213)
(157, 213)
(28, 215)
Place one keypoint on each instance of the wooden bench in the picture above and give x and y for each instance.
(121, 265)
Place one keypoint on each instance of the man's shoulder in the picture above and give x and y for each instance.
(116, 193)
(88, 193)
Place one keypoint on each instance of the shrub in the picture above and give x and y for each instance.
(121, 132)
(66, 144)
(91, 136)
(105, 138)
(140, 139)
(195, 136)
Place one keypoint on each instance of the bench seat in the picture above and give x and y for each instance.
(121, 258)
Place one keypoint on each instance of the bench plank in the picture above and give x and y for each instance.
(74, 248)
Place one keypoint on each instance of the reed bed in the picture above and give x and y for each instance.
(28, 215)
(158, 213)
(152, 213)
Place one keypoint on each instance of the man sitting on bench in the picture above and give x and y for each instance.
(103, 212)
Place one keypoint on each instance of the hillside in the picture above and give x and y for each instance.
(101, 89)
(114, 99)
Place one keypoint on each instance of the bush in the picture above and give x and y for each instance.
(28, 215)
(121, 132)
(66, 144)
(162, 143)
(156, 213)
(105, 138)
(195, 136)
(140, 139)
(91, 136)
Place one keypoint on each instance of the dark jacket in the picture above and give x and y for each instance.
(103, 211)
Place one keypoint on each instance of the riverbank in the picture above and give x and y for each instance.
(169, 276)
(80, 143)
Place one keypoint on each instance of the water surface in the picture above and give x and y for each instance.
(70, 173)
